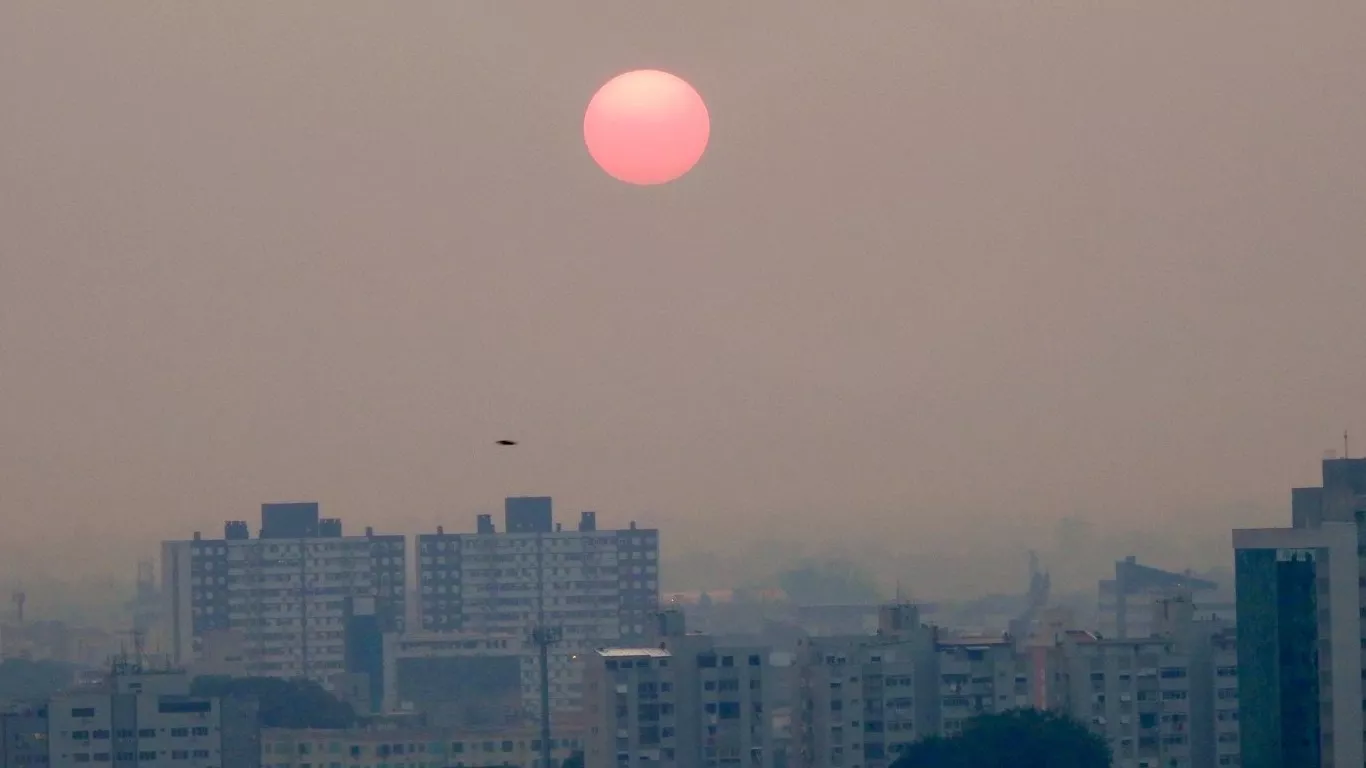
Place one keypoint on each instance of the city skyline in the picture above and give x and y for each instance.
(946, 271)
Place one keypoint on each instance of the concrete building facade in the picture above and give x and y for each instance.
(283, 593)
(458, 679)
(1160, 701)
(142, 719)
(512, 747)
(598, 587)
(864, 698)
(685, 703)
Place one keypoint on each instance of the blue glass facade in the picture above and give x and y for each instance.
(1278, 670)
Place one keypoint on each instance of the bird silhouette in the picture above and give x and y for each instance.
(507, 442)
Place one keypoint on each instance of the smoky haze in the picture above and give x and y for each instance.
(948, 274)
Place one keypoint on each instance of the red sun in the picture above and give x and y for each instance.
(646, 127)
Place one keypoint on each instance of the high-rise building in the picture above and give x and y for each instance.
(597, 587)
(684, 702)
(284, 593)
(1300, 644)
(133, 718)
(1300, 628)
(1337, 500)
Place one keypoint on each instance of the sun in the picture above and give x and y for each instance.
(646, 127)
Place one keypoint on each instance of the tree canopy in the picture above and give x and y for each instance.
(1019, 738)
(283, 703)
(25, 680)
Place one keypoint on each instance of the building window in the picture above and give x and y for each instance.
(101, 734)
(180, 733)
(200, 730)
(100, 757)
(184, 707)
(83, 712)
(147, 756)
(80, 735)
(147, 733)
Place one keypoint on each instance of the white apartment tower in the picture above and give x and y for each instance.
(597, 587)
(282, 596)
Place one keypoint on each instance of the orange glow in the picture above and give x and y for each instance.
(646, 127)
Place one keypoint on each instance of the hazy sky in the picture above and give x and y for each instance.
(948, 269)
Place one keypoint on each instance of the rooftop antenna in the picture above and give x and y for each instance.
(1346, 446)
(19, 598)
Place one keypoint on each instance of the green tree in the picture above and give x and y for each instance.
(1019, 738)
(25, 680)
(283, 703)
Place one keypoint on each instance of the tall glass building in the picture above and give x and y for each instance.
(1300, 645)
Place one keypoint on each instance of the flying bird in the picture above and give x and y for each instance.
(507, 442)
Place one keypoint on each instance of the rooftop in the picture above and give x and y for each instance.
(620, 653)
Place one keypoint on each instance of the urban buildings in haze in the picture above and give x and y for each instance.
(684, 701)
(597, 587)
(1300, 628)
(134, 716)
(280, 596)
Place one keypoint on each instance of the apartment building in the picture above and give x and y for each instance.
(978, 676)
(23, 736)
(864, 698)
(285, 592)
(512, 747)
(1227, 720)
(1156, 700)
(143, 718)
(597, 587)
(458, 679)
(685, 703)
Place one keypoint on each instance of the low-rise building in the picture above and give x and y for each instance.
(459, 679)
(134, 717)
(515, 747)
